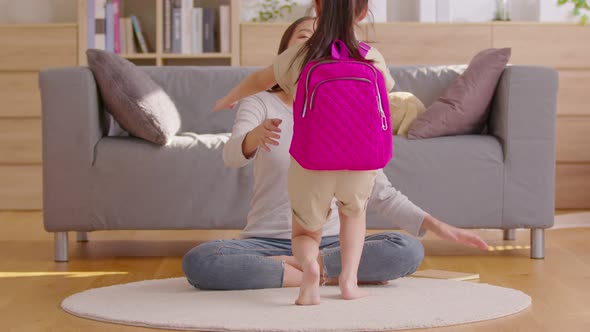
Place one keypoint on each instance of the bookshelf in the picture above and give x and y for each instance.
(151, 15)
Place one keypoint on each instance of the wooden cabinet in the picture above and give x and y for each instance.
(27, 49)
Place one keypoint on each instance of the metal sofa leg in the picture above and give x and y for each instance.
(537, 243)
(82, 236)
(509, 234)
(60, 246)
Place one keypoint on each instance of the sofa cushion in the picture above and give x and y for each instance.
(463, 109)
(138, 104)
(182, 185)
(458, 179)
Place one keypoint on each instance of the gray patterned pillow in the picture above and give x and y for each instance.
(138, 104)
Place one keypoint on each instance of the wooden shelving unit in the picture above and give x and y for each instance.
(151, 16)
(26, 49)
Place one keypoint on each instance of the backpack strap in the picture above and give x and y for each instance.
(341, 52)
(364, 48)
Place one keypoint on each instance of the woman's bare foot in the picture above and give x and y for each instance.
(309, 292)
(350, 289)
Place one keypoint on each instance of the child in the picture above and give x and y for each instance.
(311, 190)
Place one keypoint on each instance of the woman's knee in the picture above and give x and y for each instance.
(195, 263)
(407, 250)
(415, 253)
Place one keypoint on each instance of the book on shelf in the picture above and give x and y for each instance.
(168, 26)
(129, 38)
(176, 29)
(224, 28)
(191, 29)
(95, 24)
(122, 36)
(108, 30)
(117, 27)
(197, 30)
(143, 46)
(187, 26)
(90, 23)
(209, 30)
(110, 26)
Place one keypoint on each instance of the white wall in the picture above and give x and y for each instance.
(484, 10)
(250, 9)
(550, 12)
(472, 10)
(397, 10)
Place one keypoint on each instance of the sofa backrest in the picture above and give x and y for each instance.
(426, 83)
(195, 90)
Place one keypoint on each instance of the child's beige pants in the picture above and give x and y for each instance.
(311, 193)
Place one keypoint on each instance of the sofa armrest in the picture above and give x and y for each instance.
(523, 118)
(71, 130)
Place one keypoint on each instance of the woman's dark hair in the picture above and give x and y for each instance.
(287, 35)
(336, 20)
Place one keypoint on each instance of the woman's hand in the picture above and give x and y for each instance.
(261, 136)
(454, 234)
(222, 104)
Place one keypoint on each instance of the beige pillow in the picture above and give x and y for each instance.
(404, 108)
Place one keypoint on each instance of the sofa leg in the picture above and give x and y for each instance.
(60, 246)
(82, 236)
(537, 243)
(509, 234)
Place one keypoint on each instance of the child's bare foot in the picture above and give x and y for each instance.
(350, 289)
(334, 282)
(309, 292)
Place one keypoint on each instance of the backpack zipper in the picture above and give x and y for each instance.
(381, 111)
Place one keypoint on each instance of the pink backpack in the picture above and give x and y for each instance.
(341, 114)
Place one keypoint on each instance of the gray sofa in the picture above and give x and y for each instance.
(503, 180)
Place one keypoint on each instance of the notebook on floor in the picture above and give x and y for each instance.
(448, 275)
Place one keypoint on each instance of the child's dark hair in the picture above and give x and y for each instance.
(336, 20)
(287, 35)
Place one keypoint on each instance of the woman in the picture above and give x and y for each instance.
(262, 258)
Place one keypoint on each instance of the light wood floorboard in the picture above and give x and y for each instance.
(559, 285)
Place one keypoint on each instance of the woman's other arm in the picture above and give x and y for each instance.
(251, 129)
(393, 205)
(260, 80)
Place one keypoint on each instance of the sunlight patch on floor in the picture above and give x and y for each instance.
(507, 248)
(53, 274)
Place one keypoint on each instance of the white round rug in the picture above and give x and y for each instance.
(403, 304)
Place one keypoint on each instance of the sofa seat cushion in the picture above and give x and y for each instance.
(138, 185)
(457, 179)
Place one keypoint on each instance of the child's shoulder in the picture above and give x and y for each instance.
(289, 54)
(373, 53)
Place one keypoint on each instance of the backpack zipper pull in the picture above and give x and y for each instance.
(383, 121)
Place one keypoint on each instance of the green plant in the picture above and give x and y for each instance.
(581, 7)
(502, 11)
(270, 10)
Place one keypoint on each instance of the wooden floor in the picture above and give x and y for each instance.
(32, 285)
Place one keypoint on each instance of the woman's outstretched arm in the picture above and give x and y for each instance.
(390, 203)
(260, 80)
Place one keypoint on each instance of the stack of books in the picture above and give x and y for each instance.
(107, 30)
(193, 30)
